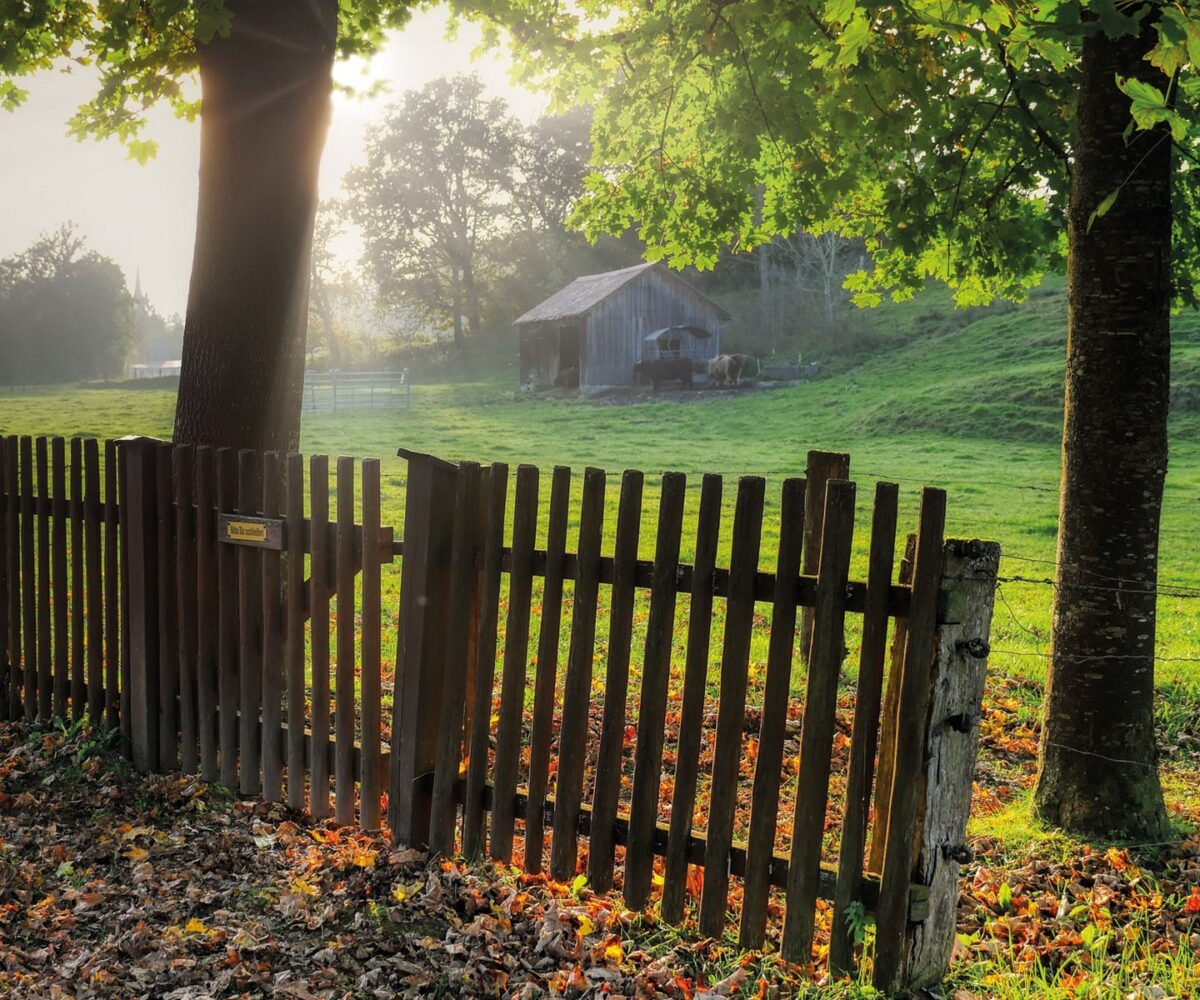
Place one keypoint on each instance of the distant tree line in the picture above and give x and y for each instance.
(65, 313)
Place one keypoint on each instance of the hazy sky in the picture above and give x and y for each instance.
(145, 217)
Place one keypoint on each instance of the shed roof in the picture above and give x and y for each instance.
(588, 291)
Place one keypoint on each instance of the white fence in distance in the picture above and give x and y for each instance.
(343, 392)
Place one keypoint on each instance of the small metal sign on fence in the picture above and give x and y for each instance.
(259, 532)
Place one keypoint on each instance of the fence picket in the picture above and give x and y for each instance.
(94, 572)
(607, 781)
(731, 706)
(889, 719)
(891, 914)
(56, 504)
(820, 468)
(168, 616)
(249, 589)
(764, 804)
(207, 616)
(125, 662)
(691, 713)
(227, 623)
(577, 693)
(139, 525)
(7, 664)
(294, 632)
(272, 651)
(78, 680)
(420, 643)
(320, 566)
(11, 610)
(183, 474)
(546, 672)
(113, 645)
(29, 580)
(479, 737)
(45, 675)
(455, 661)
(12, 565)
(344, 700)
(864, 733)
(370, 777)
(652, 704)
(516, 661)
(820, 712)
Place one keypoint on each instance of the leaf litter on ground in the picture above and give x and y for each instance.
(118, 885)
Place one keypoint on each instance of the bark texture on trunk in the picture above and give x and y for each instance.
(266, 90)
(1099, 764)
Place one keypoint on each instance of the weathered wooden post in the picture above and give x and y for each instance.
(420, 644)
(951, 744)
(822, 466)
(139, 525)
(958, 671)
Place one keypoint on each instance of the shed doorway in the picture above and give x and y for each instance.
(568, 349)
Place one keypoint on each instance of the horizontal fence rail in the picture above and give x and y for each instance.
(671, 730)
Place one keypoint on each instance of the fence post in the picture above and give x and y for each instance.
(821, 468)
(139, 523)
(951, 743)
(420, 644)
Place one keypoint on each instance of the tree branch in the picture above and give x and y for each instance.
(1039, 130)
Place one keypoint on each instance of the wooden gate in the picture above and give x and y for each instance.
(469, 747)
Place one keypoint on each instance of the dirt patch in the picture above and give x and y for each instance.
(628, 395)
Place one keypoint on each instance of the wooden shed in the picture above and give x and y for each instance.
(601, 325)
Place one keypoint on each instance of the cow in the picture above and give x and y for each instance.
(568, 378)
(725, 369)
(659, 370)
(748, 361)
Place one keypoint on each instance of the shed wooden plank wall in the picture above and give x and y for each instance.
(616, 326)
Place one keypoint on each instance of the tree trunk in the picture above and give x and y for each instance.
(457, 305)
(265, 90)
(1099, 766)
(472, 295)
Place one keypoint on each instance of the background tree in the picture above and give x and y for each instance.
(265, 69)
(324, 272)
(434, 191)
(65, 312)
(540, 252)
(972, 142)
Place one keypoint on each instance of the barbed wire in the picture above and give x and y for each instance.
(1181, 592)
(1043, 654)
(1088, 658)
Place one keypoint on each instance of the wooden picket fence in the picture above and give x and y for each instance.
(194, 605)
